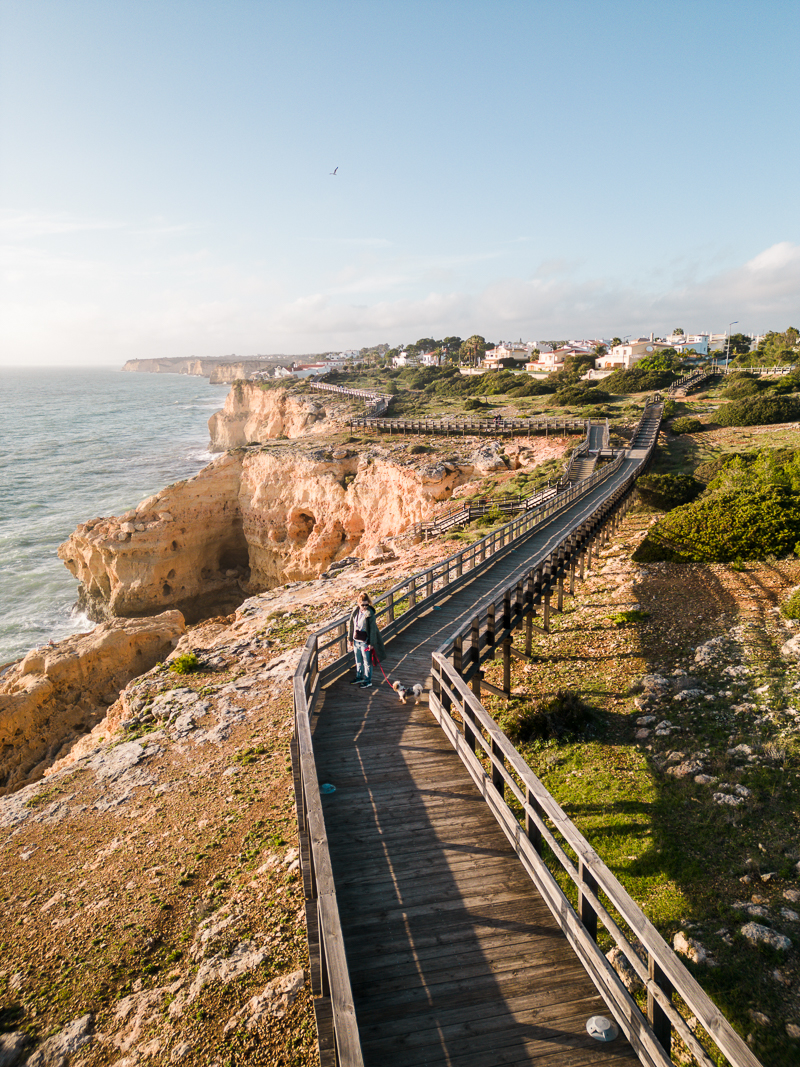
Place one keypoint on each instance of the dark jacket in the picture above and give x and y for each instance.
(374, 638)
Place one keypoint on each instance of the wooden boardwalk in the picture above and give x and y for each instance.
(453, 956)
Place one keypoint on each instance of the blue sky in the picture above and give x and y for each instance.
(514, 168)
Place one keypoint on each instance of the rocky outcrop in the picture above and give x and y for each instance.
(252, 415)
(247, 522)
(58, 693)
(183, 548)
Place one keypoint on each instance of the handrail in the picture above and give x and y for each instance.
(396, 608)
(479, 741)
(497, 767)
(461, 514)
(380, 401)
(330, 977)
(578, 453)
(464, 426)
(690, 379)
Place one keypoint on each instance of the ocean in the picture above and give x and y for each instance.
(76, 444)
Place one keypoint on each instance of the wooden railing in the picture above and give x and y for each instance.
(473, 427)
(545, 839)
(377, 402)
(325, 658)
(461, 514)
(689, 381)
(733, 368)
(578, 453)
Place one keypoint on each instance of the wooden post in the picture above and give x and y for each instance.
(475, 651)
(458, 653)
(560, 569)
(490, 630)
(497, 778)
(546, 613)
(469, 721)
(532, 831)
(507, 610)
(585, 907)
(507, 666)
(656, 1016)
(528, 631)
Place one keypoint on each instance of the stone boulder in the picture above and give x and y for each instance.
(487, 459)
(757, 934)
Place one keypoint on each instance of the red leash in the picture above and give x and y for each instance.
(383, 672)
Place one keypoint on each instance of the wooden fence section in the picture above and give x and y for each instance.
(461, 514)
(470, 427)
(377, 403)
(690, 381)
(475, 1012)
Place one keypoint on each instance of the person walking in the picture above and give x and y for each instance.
(364, 635)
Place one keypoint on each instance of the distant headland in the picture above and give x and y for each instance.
(220, 369)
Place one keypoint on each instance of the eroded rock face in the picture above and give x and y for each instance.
(299, 520)
(183, 548)
(252, 414)
(57, 694)
(246, 523)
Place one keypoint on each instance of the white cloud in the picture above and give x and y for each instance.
(61, 306)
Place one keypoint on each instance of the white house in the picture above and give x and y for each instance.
(405, 359)
(682, 343)
(430, 359)
(624, 356)
(548, 361)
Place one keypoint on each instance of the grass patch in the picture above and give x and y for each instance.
(188, 663)
(625, 618)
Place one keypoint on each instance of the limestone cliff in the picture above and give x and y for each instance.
(60, 692)
(252, 414)
(250, 520)
(182, 548)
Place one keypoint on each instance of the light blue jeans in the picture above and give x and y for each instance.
(363, 660)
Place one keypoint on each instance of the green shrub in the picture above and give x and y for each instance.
(565, 713)
(740, 386)
(533, 387)
(759, 411)
(581, 393)
(686, 425)
(185, 664)
(638, 380)
(419, 450)
(790, 609)
(725, 526)
(622, 618)
(667, 491)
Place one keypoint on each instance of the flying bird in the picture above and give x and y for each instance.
(333, 172)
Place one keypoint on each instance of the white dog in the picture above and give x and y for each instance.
(405, 691)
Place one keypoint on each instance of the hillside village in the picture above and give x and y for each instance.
(477, 356)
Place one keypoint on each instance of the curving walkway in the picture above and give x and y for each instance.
(453, 956)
